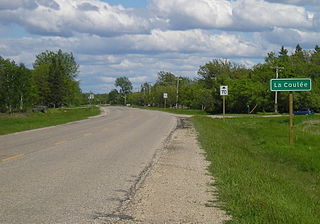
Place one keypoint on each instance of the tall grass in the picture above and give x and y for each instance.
(21, 122)
(260, 177)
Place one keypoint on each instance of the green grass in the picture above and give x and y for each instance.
(21, 122)
(259, 176)
(175, 111)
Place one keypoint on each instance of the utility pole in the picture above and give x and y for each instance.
(177, 99)
(149, 92)
(276, 93)
(144, 96)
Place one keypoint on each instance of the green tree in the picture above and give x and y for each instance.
(114, 97)
(69, 66)
(125, 87)
(166, 78)
(57, 83)
(15, 86)
(54, 78)
(202, 98)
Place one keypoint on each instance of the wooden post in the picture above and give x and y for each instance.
(165, 102)
(224, 105)
(292, 137)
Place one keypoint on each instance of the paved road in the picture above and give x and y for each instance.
(76, 172)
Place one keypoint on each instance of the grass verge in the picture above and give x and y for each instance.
(259, 176)
(175, 111)
(21, 122)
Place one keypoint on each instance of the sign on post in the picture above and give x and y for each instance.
(223, 93)
(290, 85)
(223, 90)
(91, 97)
(165, 97)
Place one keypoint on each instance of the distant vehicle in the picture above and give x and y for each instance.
(306, 111)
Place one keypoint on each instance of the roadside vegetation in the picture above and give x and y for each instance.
(10, 123)
(259, 176)
(249, 88)
(53, 82)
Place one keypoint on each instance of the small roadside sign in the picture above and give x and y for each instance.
(290, 85)
(223, 90)
(165, 95)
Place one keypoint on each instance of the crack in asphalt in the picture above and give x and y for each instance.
(118, 215)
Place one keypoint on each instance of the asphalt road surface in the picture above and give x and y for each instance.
(77, 172)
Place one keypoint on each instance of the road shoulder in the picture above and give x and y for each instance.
(177, 188)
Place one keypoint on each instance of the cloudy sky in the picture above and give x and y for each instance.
(138, 38)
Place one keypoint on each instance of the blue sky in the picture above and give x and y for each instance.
(128, 3)
(139, 38)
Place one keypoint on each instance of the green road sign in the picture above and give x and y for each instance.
(290, 85)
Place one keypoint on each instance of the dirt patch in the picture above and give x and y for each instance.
(177, 188)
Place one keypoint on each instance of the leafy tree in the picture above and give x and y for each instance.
(248, 88)
(57, 83)
(298, 49)
(15, 86)
(114, 97)
(271, 59)
(69, 66)
(166, 78)
(24, 88)
(40, 81)
(202, 98)
(54, 78)
(124, 84)
(283, 57)
(125, 87)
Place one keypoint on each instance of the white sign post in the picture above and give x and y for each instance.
(224, 92)
(165, 97)
(90, 97)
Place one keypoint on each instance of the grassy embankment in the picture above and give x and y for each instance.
(175, 111)
(26, 121)
(259, 176)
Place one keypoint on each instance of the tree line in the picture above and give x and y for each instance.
(249, 88)
(52, 82)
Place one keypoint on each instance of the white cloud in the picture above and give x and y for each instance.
(71, 17)
(176, 36)
(108, 79)
(15, 4)
(138, 79)
(242, 15)
(292, 37)
(126, 64)
(158, 42)
(297, 2)
(261, 15)
(190, 14)
(67, 17)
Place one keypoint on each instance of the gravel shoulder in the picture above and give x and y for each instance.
(176, 189)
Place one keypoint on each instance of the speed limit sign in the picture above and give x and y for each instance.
(223, 90)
